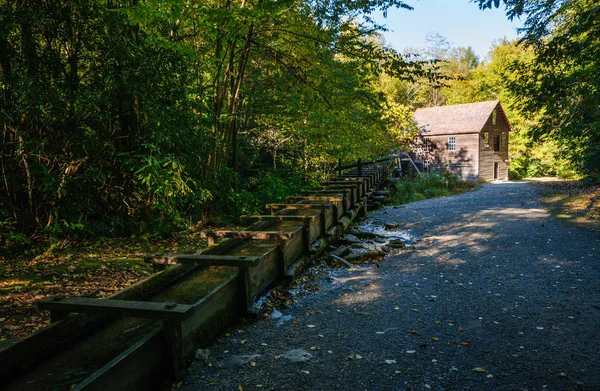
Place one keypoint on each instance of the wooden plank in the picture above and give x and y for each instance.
(360, 182)
(279, 217)
(251, 234)
(312, 198)
(133, 309)
(332, 191)
(205, 260)
(339, 185)
(344, 180)
(299, 206)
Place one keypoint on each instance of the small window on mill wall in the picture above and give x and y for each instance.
(494, 117)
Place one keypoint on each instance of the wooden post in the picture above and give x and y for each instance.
(340, 167)
(174, 336)
(359, 167)
(244, 284)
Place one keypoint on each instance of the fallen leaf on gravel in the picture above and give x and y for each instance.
(490, 376)
(438, 321)
(313, 348)
(244, 341)
(561, 374)
(460, 329)
(310, 326)
(379, 332)
(259, 386)
(396, 308)
(410, 351)
(212, 383)
(467, 344)
(252, 364)
(351, 356)
(390, 361)
(434, 338)
(240, 388)
(539, 328)
(555, 328)
(413, 331)
(480, 369)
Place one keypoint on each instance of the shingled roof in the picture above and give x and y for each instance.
(455, 119)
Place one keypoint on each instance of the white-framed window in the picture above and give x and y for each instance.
(494, 117)
(504, 140)
(452, 143)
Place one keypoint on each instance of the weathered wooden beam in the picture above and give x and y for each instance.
(343, 179)
(320, 207)
(326, 191)
(205, 260)
(311, 198)
(362, 183)
(133, 309)
(299, 206)
(260, 235)
(279, 217)
(353, 188)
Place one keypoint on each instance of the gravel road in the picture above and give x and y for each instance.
(498, 295)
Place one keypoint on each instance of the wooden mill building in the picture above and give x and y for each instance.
(468, 140)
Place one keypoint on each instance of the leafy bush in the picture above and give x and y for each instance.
(252, 195)
(429, 185)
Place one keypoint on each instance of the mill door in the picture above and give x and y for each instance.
(496, 169)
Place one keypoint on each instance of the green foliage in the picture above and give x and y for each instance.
(561, 83)
(254, 193)
(129, 117)
(429, 185)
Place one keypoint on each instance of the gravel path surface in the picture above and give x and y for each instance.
(498, 295)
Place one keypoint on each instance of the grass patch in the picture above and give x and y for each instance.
(429, 185)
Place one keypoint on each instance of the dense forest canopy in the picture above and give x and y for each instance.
(119, 113)
(559, 85)
(128, 116)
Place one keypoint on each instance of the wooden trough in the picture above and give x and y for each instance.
(142, 337)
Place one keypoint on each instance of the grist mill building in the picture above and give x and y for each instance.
(469, 140)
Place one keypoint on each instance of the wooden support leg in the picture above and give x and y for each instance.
(244, 284)
(55, 316)
(306, 237)
(323, 224)
(174, 336)
(335, 215)
(362, 211)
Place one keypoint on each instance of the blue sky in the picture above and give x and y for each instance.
(460, 21)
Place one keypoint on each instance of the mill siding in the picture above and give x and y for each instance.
(463, 162)
(487, 155)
